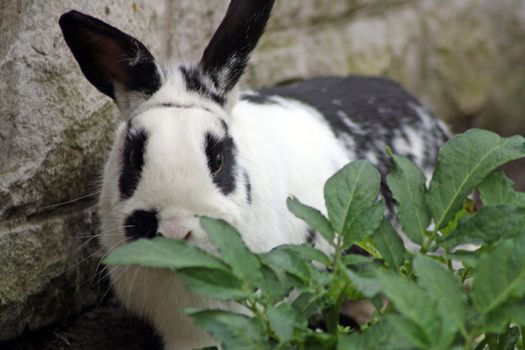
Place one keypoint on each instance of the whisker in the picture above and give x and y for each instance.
(131, 284)
(52, 206)
(109, 250)
(108, 289)
(92, 237)
(78, 262)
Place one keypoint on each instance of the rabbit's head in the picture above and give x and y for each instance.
(174, 158)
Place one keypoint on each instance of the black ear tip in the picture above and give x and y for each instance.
(69, 17)
(73, 19)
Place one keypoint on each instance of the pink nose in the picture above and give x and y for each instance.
(173, 229)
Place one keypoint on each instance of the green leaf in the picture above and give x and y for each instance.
(488, 225)
(307, 252)
(369, 246)
(313, 217)
(233, 251)
(497, 189)
(308, 304)
(443, 286)
(350, 196)
(163, 253)
(281, 259)
(365, 282)
(463, 163)
(365, 225)
(407, 183)
(498, 319)
(413, 303)
(234, 331)
(282, 321)
(500, 275)
(383, 335)
(356, 259)
(273, 289)
(390, 245)
(411, 331)
(215, 284)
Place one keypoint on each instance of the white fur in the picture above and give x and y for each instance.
(286, 149)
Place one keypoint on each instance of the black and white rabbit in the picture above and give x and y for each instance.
(191, 146)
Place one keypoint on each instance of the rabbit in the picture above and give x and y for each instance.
(191, 144)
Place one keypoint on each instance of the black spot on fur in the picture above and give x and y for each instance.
(107, 56)
(141, 224)
(310, 236)
(248, 186)
(172, 105)
(259, 98)
(224, 126)
(372, 113)
(225, 57)
(357, 250)
(132, 162)
(196, 81)
(387, 194)
(224, 178)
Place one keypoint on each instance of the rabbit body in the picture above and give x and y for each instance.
(191, 146)
(283, 147)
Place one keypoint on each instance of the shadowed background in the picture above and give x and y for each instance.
(463, 58)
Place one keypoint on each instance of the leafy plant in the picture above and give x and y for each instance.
(439, 297)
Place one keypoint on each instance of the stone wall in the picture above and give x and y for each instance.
(463, 57)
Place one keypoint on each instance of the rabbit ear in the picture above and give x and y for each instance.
(114, 62)
(226, 55)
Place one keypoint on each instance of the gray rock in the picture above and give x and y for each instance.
(56, 130)
(48, 271)
(56, 127)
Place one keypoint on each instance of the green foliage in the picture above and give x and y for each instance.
(439, 297)
(497, 189)
(389, 245)
(407, 183)
(462, 164)
(351, 201)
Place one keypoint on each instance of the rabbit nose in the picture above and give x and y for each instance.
(174, 229)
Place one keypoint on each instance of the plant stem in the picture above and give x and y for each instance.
(482, 344)
(522, 331)
(337, 255)
(428, 242)
(449, 261)
(469, 341)
(251, 304)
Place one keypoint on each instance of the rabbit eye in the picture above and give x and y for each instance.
(214, 154)
(220, 159)
(215, 163)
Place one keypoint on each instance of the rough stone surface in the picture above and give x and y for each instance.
(56, 130)
(463, 57)
(48, 271)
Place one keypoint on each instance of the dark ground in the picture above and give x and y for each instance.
(107, 327)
